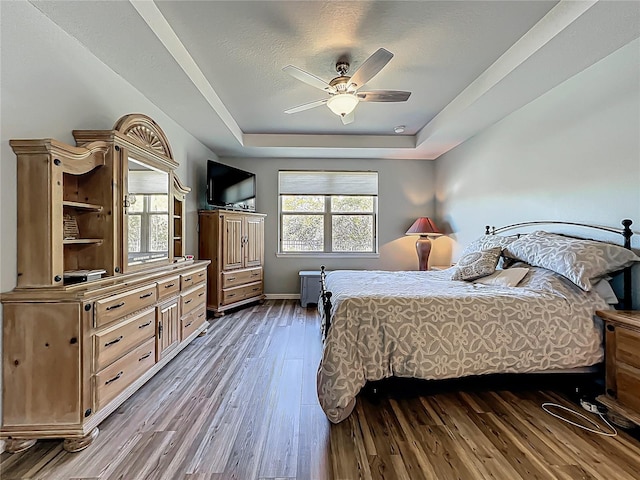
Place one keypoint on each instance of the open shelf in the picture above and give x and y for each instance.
(82, 206)
(79, 241)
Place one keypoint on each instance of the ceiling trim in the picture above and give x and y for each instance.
(161, 28)
(329, 141)
(435, 138)
(549, 26)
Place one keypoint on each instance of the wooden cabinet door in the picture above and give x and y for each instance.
(232, 241)
(254, 243)
(168, 328)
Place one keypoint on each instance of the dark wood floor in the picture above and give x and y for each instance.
(241, 403)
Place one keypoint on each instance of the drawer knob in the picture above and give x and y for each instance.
(145, 324)
(187, 279)
(231, 279)
(188, 301)
(117, 377)
(144, 356)
(114, 341)
(611, 328)
(170, 285)
(87, 412)
(87, 307)
(188, 325)
(146, 295)
(113, 307)
(200, 294)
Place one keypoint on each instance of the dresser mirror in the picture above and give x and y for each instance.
(144, 217)
(147, 213)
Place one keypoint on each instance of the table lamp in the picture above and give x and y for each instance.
(424, 227)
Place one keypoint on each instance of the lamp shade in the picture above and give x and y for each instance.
(424, 226)
(342, 103)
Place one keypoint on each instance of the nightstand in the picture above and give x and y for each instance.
(622, 362)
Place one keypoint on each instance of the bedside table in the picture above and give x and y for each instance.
(622, 362)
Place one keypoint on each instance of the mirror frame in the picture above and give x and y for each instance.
(138, 137)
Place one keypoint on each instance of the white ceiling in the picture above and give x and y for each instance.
(216, 66)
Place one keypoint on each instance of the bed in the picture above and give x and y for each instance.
(418, 324)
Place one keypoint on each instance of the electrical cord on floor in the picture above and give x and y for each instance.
(600, 430)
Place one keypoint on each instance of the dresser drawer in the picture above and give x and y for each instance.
(200, 276)
(123, 372)
(628, 386)
(628, 347)
(192, 299)
(232, 295)
(193, 278)
(109, 309)
(168, 287)
(114, 342)
(192, 321)
(240, 277)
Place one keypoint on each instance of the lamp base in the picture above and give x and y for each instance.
(423, 247)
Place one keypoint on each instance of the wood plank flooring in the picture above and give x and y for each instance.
(240, 403)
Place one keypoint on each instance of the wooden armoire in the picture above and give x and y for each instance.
(234, 242)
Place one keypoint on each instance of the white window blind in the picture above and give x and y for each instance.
(148, 182)
(300, 182)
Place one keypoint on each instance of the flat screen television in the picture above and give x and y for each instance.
(230, 187)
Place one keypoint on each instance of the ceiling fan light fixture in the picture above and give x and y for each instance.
(343, 103)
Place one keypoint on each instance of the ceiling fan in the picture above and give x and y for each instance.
(344, 94)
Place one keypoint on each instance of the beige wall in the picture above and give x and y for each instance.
(406, 191)
(573, 154)
(51, 85)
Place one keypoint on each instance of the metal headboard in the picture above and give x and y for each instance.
(625, 231)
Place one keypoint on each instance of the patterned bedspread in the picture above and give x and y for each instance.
(423, 325)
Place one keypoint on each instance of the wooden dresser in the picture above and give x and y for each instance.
(622, 337)
(73, 355)
(105, 296)
(234, 242)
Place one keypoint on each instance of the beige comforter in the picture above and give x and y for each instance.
(423, 325)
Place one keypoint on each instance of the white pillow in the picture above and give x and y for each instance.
(603, 288)
(504, 278)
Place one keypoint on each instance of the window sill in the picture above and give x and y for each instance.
(327, 255)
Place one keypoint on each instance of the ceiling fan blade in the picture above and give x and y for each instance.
(308, 78)
(347, 119)
(383, 96)
(370, 67)
(306, 106)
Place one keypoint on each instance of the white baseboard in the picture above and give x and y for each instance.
(282, 296)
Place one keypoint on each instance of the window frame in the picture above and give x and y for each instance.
(145, 222)
(328, 215)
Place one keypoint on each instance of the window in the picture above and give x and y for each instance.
(328, 212)
(148, 224)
